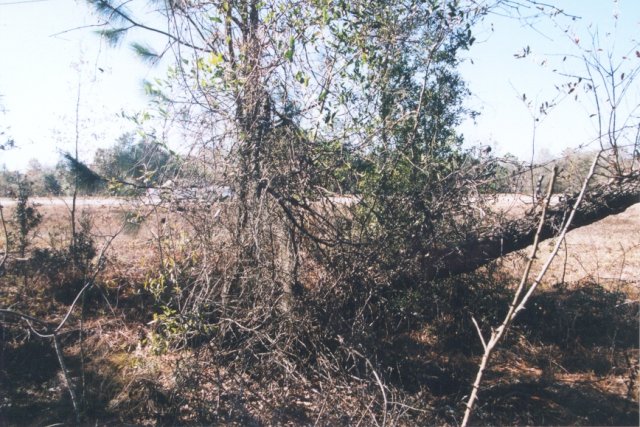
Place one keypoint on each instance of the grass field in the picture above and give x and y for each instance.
(607, 252)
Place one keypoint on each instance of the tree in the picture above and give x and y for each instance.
(378, 120)
(25, 215)
(140, 163)
(293, 104)
(334, 125)
(52, 185)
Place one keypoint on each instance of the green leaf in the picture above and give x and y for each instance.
(302, 78)
(292, 46)
(323, 95)
(215, 58)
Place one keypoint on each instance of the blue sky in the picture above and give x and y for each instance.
(44, 62)
(498, 80)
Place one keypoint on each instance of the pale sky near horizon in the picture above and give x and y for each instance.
(40, 76)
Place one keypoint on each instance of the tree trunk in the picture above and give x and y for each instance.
(482, 247)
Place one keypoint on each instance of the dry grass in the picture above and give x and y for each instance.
(607, 252)
(548, 373)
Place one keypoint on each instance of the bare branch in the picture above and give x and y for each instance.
(518, 303)
(6, 240)
(501, 330)
(475, 323)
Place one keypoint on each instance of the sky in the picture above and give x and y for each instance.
(50, 54)
(498, 80)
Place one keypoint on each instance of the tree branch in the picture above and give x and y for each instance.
(103, 5)
(6, 239)
(482, 247)
(518, 303)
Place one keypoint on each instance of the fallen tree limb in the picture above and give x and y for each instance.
(482, 247)
(524, 290)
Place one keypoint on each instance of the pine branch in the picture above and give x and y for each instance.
(113, 36)
(87, 178)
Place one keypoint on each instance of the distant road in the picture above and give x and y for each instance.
(66, 201)
(515, 204)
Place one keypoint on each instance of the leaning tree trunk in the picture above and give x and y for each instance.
(480, 248)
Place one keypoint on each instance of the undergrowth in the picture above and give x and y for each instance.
(178, 344)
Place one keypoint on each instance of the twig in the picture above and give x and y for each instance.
(6, 240)
(384, 394)
(67, 380)
(484, 344)
(562, 235)
(379, 382)
(59, 354)
(518, 303)
(324, 403)
(497, 334)
(23, 316)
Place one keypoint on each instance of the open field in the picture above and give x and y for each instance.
(571, 360)
(605, 252)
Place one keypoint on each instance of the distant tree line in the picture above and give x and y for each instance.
(128, 167)
(133, 165)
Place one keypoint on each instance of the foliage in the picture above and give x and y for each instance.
(574, 165)
(26, 216)
(81, 175)
(8, 182)
(52, 185)
(63, 267)
(140, 163)
(128, 168)
(45, 181)
(297, 107)
(332, 124)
